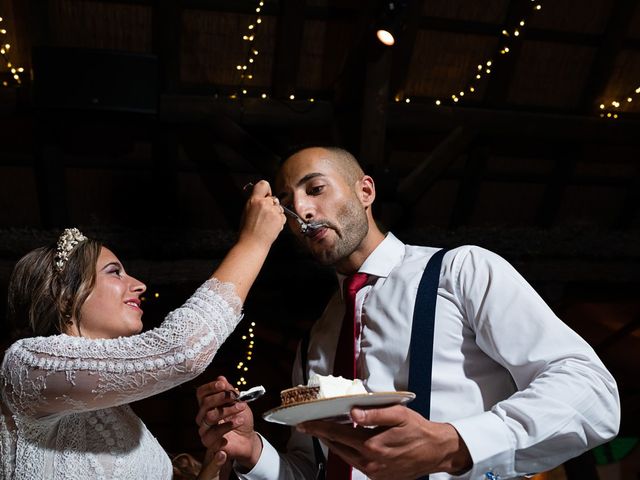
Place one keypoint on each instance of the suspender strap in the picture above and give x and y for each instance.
(421, 350)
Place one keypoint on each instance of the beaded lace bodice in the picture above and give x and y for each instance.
(64, 399)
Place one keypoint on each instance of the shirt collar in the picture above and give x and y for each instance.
(382, 260)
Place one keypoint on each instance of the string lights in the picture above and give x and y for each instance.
(507, 36)
(5, 46)
(616, 107)
(245, 69)
(243, 365)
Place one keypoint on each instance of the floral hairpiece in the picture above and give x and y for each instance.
(66, 243)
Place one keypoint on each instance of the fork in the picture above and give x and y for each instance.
(306, 228)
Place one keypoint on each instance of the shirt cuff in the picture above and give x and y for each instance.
(490, 444)
(267, 463)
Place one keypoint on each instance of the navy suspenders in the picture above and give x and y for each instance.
(421, 348)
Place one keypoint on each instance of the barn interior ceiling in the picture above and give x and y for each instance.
(510, 124)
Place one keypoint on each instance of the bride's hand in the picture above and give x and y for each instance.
(263, 217)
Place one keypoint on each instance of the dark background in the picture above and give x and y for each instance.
(129, 121)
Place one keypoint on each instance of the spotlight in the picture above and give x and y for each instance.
(386, 37)
(390, 23)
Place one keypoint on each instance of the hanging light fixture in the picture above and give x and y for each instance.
(390, 22)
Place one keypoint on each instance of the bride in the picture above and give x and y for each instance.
(66, 389)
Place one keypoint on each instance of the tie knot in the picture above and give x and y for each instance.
(355, 282)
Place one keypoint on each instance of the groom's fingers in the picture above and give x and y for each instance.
(220, 384)
(213, 437)
(213, 412)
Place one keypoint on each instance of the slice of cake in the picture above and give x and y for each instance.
(321, 386)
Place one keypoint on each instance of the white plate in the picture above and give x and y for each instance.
(336, 408)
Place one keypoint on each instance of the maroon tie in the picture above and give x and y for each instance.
(345, 360)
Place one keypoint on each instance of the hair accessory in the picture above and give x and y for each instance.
(66, 243)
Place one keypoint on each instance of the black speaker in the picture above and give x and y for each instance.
(90, 79)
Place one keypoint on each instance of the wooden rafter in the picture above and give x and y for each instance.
(288, 45)
(560, 177)
(166, 27)
(424, 175)
(403, 49)
(374, 110)
(411, 117)
(469, 188)
(604, 63)
(530, 33)
(504, 68)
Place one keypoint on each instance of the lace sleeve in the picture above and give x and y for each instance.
(49, 375)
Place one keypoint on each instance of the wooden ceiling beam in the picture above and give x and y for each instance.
(166, 35)
(374, 111)
(449, 25)
(618, 335)
(30, 23)
(288, 46)
(226, 131)
(412, 118)
(414, 185)
(469, 187)
(350, 83)
(525, 125)
(559, 180)
(199, 143)
(404, 47)
(504, 66)
(603, 65)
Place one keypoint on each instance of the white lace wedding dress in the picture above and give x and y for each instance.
(64, 399)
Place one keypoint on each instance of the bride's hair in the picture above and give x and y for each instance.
(42, 299)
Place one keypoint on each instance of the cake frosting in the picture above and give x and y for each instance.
(322, 386)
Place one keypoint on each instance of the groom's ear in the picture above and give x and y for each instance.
(366, 190)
